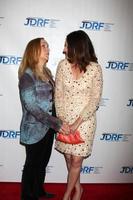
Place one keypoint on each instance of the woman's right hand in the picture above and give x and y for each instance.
(65, 129)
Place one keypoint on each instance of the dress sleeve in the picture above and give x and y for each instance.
(59, 92)
(29, 101)
(95, 96)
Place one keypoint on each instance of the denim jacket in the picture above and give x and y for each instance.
(36, 99)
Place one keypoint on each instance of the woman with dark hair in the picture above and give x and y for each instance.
(77, 95)
(38, 124)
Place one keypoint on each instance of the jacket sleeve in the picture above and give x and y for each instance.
(29, 101)
(59, 92)
(96, 92)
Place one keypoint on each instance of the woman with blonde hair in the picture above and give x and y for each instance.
(38, 124)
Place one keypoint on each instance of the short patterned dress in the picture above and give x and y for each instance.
(74, 98)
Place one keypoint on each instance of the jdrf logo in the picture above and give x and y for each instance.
(113, 137)
(40, 22)
(90, 170)
(127, 170)
(10, 60)
(130, 103)
(9, 134)
(117, 65)
(95, 25)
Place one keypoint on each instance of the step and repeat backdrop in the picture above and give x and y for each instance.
(109, 23)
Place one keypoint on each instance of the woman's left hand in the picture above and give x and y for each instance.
(65, 128)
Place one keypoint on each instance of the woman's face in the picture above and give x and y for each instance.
(44, 55)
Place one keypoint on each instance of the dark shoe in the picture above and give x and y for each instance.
(29, 198)
(47, 195)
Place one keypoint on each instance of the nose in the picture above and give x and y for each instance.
(64, 50)
(48, 50)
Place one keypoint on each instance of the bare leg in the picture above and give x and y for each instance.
(74, 165)
(68, 158)
(68, 164)
(78, 190)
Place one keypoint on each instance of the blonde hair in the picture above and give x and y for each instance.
(31, 59)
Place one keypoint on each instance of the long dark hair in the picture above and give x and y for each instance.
(80, 49)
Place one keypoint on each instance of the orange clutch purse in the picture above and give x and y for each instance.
(72, 138)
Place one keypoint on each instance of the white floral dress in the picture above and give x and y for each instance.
(74, 98)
